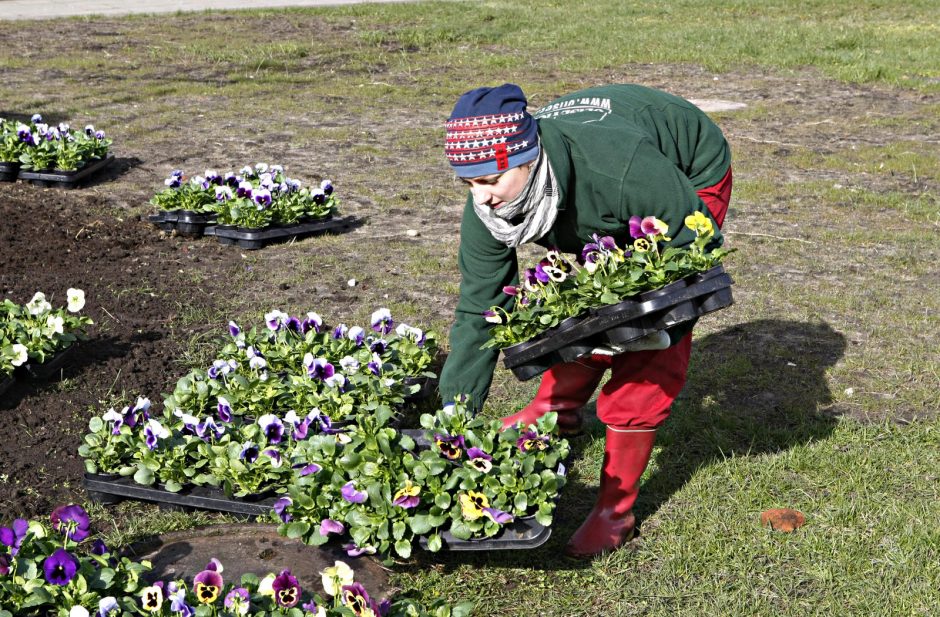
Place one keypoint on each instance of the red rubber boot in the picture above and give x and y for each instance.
(611, 523)
(565, 389)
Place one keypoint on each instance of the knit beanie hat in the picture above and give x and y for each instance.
(490, 131)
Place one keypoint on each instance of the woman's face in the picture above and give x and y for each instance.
(496, 190)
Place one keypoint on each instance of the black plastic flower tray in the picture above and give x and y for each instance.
(523, 533)
(9, 171)
(6, 383)
(114, 489)
(184, 222)
(622, 323)
(252, 239)
(66, 179)
(48, 369)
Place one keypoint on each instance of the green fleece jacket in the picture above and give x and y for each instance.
(617, 151)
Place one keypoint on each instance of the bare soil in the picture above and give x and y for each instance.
(52, 240)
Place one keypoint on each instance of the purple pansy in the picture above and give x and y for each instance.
(207, 586)
(356, 598)
(530, 440)
(318, 368)
(326, 186)
(309, 469)
(60, 567)
(382, 321)
(479, 460)
(13, 536)
(450, 447)
(636, 230)
(224, 409)
(357, 335)
(238, 601)
(177, 597)
(351, 494)
(340, 331)
(328, 526)
(208, 430)
(286, 589)
(280, 508)
(498, 516)
(274, 455)
(378, 345)
(311, 322)
(233, 329)
(272, 427)
(250, 452)
(72, 521)
(355, 551)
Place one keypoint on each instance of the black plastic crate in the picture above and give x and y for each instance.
(6, 383)
(9, 171)
(48, 369)
(253, 239)
(66, 179)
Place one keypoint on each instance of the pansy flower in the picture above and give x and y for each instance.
(233, 329)
(382, 321)
(636, 229)
(208, 584)
(318, 196)
(326, 186)
(244, 189)
(255, 359)
(700, 224)
(71, 521)
(286, 589)
(75, 299)
(4, 565)
(208, 430)
(336, 577)
(472, 504)
(351, 494)
(311, 322)
(60, 567)
(479, 460)
(250, 452)
(377, 345)
(307, 470)
(272, 427)
(238, 601)
(318, 368)
(38, 304)
(20, 354)
(12, 537)
(642, 245)
(224, 409)
(450, 447)
(336, 380)
(151, 598)
(530, 440)
(357, 551)
(654, 228)
(357, 335)
(407, 497)
(349, 364)
(177, 600)
(356, 599)
(492, 316)
(274, 455)
(415, 334)
(280, 508)
(328, 526)
(154, 432)
(106, 606)
(497, 516)
(340, 331)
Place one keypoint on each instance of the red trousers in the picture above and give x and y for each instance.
(643, 384)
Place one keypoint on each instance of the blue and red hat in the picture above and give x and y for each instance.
(490, 131)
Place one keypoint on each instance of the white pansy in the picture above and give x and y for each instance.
(38, 304)
(336, 577)
(76, 299)
(56, 324)
(20, 355)
(78, 611)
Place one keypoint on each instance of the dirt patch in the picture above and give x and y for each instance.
(52, 240)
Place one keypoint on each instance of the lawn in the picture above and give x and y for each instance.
(818, 390)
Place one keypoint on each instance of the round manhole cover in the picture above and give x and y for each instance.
(245, 548)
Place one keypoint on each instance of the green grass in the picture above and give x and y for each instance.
(816, 390)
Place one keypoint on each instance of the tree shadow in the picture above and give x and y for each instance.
(754, 388)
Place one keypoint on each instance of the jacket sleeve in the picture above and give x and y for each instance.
(486, 266)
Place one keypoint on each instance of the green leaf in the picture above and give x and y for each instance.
(143, 476)
(403, 548)
(398, 530)
(434, 543)
(419, 524)
(297, 529)
(460, 530)
(521, 502)
(443, 501)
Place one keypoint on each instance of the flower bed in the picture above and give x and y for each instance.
(256, 198)
(55, 568)
(34, 337)
(52, 155)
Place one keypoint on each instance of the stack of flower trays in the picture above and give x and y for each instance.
(621, 323)
(255, 207)
(613, 296)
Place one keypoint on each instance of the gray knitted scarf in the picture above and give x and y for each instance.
(530, 215)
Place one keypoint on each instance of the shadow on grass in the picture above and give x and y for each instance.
(754, 388)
